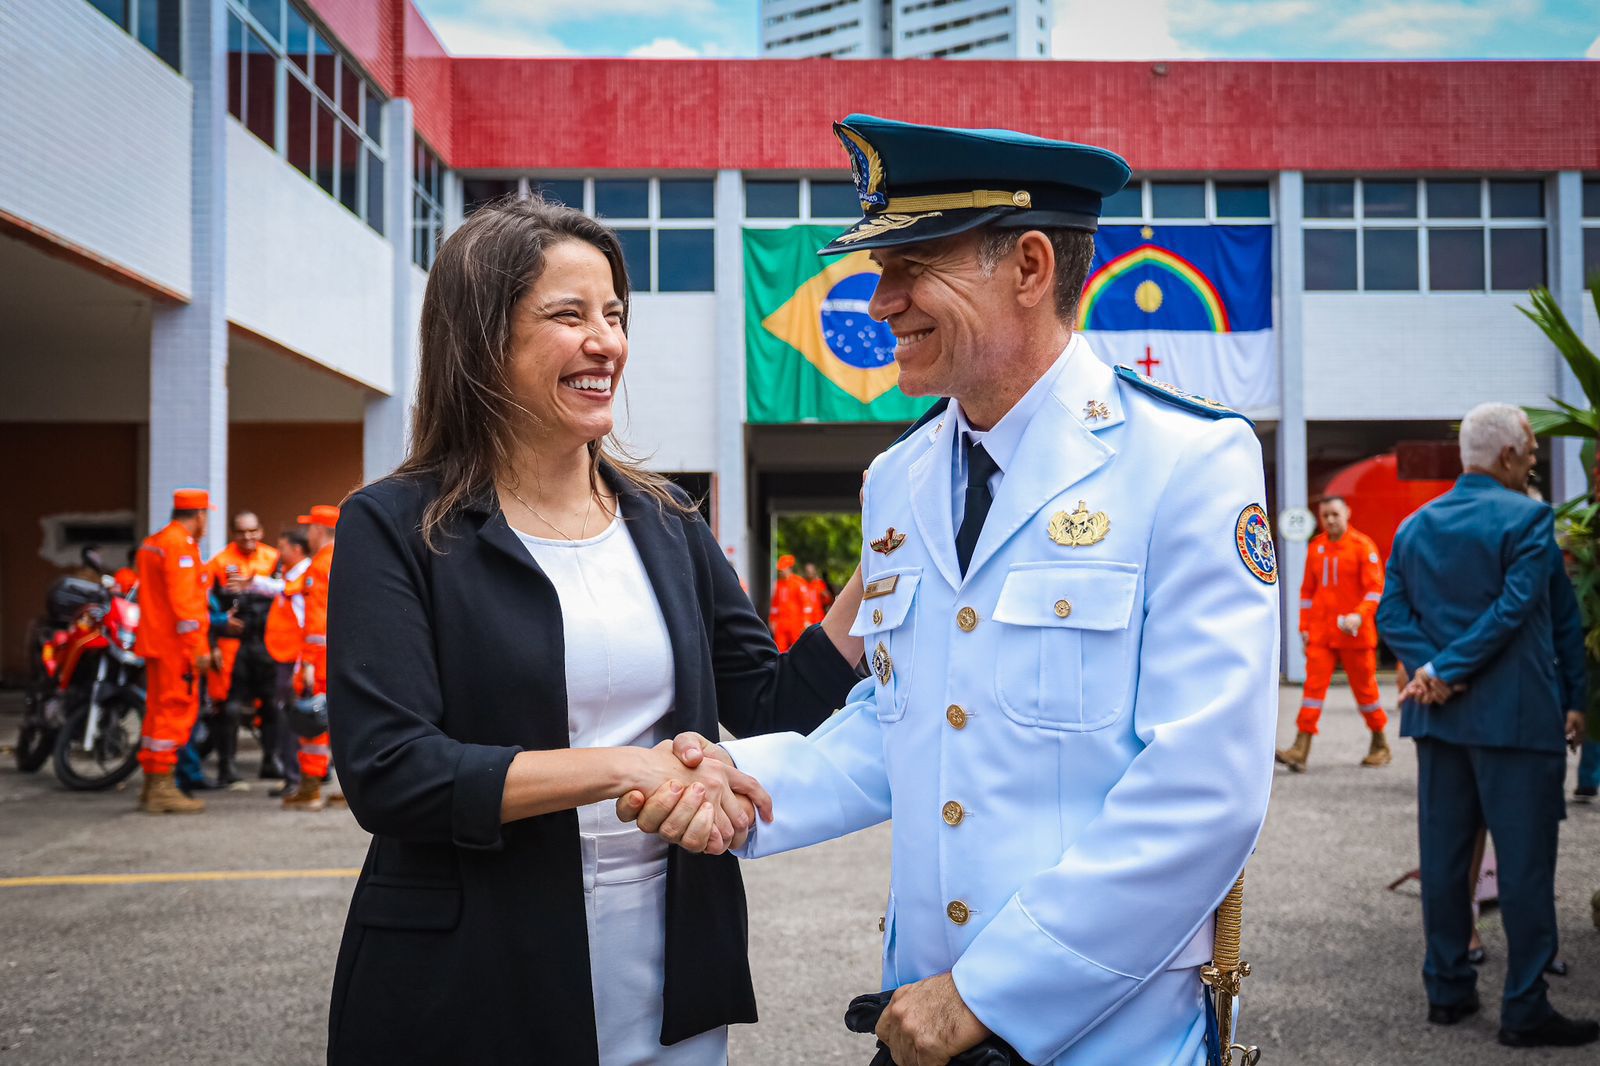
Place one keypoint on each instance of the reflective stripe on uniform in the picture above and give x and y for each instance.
(1375, 597)
(1366, 708)
(152, 744)
(317, 639)
(188, 626)
(1311, 703)
(1307, 604)
(315, 749)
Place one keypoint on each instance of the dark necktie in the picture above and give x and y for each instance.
(979, 469)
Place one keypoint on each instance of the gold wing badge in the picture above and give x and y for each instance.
(1080, 528)
(888, 543)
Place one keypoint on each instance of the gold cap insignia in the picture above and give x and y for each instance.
(1080, 528)
(887, 543)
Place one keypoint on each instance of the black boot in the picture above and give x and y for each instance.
(227, 743)
(271, 741)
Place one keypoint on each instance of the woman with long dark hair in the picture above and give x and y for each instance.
(519, 616)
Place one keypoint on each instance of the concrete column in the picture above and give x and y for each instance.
(189, 342)
(733, 530)
(386, 425)
(1292, 480)
(1567, 475)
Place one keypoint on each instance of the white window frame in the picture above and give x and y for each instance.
(1424, 221)
(1148, 217)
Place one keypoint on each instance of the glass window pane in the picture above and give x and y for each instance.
(270, 14)
(636, 253)
(1178, 199)
(1330, 199)
(372, 118)
(115, 10)
(1516, 259)
(297, 39)
(690, 198)
(1591, 199)
(1591, 256)
(772, 199)
(374, 191)
(834, 199)
(325, 70)
(349, 168)
(1389, 199)
(298, 121)
(1240, 199)
(1129, 203)
(161, 29)
(1390, 260)
(569, 193)
(261, 89)
(350, 92)
(687, 261)
(622, 199)
(327, 169)
(1516, 199)
(1455, 258)
(475, 192)
(235, 67)
(1454, 199)
(1330, 260)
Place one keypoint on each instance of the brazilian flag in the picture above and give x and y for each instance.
(812, 353)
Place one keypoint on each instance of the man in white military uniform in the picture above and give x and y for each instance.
(1071, 624)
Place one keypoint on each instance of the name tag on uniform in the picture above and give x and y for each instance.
(881, 587)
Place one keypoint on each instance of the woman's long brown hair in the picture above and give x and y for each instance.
(465, 423)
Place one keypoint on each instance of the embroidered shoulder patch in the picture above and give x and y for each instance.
(1254, 538)
(1161, 390)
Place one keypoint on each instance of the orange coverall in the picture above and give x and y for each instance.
(174, 617)
(824, 600)
(262, 564)
(286, 627)
(794, 607)
(1343, 577)
(314, 753)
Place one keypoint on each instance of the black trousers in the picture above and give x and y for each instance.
(1518, 795)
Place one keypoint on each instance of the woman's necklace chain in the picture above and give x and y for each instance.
(535, 511)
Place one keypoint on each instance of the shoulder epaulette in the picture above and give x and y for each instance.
(1188, 401)
(927, 416)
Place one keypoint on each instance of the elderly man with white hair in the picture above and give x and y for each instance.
(1477, 602)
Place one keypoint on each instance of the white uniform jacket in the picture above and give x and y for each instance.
(1074, 742)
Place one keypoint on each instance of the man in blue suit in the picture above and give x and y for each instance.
(1476, 601)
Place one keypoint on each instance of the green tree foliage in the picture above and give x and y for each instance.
(1578, 518)
(832, 541)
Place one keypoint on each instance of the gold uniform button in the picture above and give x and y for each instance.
(1022, 198)
(953, 813)
(967, 619)
(877, 617)
(956, 715)
(957, 912)
(1063, 608)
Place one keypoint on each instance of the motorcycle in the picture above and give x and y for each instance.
(86, 706)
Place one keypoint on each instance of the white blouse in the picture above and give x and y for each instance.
(620, 691)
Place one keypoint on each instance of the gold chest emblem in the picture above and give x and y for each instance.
(1080, 528)
(882, 665)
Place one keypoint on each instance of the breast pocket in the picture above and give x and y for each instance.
(887, 625)
(1065, 656)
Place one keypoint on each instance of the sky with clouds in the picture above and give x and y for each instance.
(1085, 29)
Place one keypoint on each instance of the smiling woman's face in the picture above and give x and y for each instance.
(568, 347)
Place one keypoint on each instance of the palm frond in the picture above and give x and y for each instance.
(1553, 322)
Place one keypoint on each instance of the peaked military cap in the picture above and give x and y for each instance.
(920, 183)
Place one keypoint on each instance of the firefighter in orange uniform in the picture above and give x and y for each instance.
(285, 640)
(314, 751)
(172, 637)
(794, 605)
(242, 588)
(1338, 604)
(819, 589)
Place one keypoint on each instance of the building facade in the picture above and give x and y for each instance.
(216, 249)
(906, 29)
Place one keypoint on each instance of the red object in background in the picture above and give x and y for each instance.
(1379, 499)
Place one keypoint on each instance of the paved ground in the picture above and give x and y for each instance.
(237, 971)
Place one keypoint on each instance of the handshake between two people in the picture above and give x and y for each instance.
(702, 802)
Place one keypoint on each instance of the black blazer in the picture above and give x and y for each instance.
(466, 939)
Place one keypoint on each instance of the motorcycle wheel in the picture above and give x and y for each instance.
(34, 744)
(115, 754)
